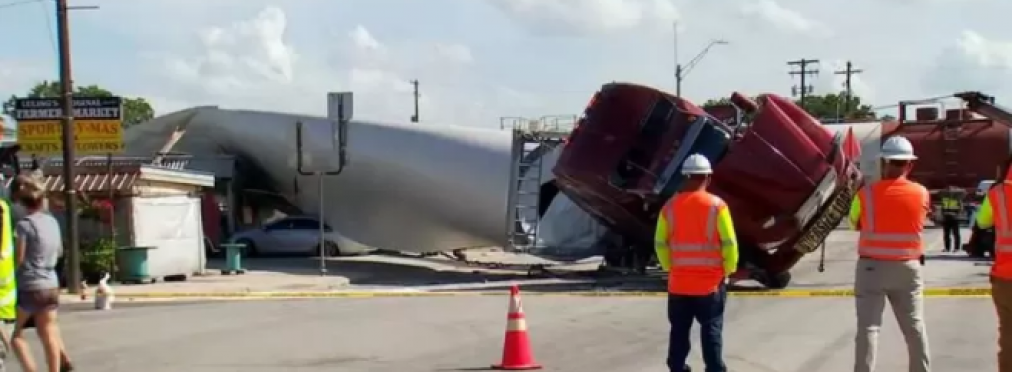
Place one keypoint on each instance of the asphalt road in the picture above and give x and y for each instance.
(465, 333)
(577, 334)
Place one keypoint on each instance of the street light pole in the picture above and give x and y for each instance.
(681, 71)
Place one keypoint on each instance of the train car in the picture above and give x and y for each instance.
(958, 149)
(784, 176)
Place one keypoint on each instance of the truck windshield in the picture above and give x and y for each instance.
(637, 162)
(703, 138)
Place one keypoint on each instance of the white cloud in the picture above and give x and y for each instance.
(588, 17)
(363, 39)
(285, 56)
(241, 56)
(784, 19)
(455, 53)
(253, 64)
(973, 62)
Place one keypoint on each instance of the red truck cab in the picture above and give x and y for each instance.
(784, 176)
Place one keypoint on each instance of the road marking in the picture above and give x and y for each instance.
(792, 293)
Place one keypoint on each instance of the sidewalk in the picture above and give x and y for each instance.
(215, 285)
(300, 277)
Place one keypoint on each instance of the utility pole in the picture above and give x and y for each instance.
(69, 188)
(414, 118)
(848, 73)
(67, 108)
(804, 71)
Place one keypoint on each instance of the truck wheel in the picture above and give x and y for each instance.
(777, 281)
(975, 251)
(614, 257)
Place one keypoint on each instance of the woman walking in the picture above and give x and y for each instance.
(39, 246)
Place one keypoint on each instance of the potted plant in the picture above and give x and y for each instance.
(97, 258)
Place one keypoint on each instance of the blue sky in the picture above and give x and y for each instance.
(479, 60)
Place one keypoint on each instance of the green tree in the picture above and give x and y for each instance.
(716, 102)
(836, 105)
(135, 110)
(827, 106)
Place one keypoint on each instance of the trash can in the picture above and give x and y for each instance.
(132, 263)
(233, 258)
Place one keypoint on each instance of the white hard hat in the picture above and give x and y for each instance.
(696, 164)
(898, 148)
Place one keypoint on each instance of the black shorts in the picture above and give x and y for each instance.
(35, 301)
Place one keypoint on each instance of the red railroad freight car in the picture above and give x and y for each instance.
(957, 150)
(785, 177)
(953, 152)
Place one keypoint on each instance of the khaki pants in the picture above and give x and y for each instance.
(901, 283)
(1001, 292)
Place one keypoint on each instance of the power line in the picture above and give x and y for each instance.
(49, 26)
(804, 89)
(848, 73)
(16, 3)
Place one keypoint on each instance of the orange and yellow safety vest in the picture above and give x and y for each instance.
(697, 264)
(890, 215)
(998, 200)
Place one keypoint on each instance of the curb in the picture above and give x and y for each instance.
(791, 293)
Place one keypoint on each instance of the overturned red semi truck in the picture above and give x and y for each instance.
(787, 179)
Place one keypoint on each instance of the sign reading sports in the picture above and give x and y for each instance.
(98, 125)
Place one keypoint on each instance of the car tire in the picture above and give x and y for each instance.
(250, 248)
(331, 249)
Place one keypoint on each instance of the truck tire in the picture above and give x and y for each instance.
(777, 281)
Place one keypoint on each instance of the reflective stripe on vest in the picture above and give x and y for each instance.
(880, 245)
(1002, 233)
(711, 225)
(951, 203)
(8, 285)
(697, 265)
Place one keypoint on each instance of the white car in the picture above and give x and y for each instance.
(296, 235)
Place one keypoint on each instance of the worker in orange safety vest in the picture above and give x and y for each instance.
(696, 245)
(890, 215)
(994, 211)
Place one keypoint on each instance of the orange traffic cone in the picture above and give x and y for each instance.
(516, 354)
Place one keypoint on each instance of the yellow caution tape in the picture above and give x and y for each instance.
(795, 293)
(928, 292)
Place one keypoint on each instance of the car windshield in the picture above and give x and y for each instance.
(302, 224)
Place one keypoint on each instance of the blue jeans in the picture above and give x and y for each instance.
(708, 310)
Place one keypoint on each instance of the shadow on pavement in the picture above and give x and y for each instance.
(957, 257)
(380, 270)
(396, 270)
